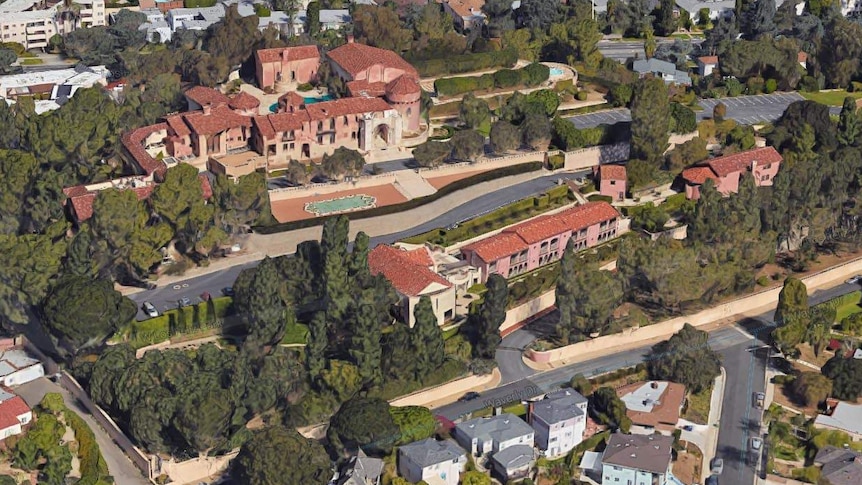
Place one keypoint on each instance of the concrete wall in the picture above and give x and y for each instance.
(597, 155)
(584, 350)
(196, 470)
(485, 163)
(527, 310)
(328, 188)
(432, 396)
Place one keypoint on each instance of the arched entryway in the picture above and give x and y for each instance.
(382, 135)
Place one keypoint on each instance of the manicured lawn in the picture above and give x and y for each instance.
(295, 333)
(849, 308)
(831, 98)
(32, 61)
(697, 410)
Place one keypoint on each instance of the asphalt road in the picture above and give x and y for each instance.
(165, 297)
(746, 110)
(621, 51)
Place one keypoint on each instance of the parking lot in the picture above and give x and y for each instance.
(748, 110)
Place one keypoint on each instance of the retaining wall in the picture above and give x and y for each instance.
(437, 396)
(328, 188)
(485, 163)
(597, 155)
(198, 469)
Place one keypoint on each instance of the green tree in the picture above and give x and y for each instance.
(336, 297)
(342, 162)
(262, 309)
(505, 137)
(432, 153)
(609, 409)
(342, 378)
(426, 338)
(380, 27)
(364, 423)
(414, 422)
(687, 154)
(492, 313)
(297, 173)
(82, 313)
(762, 21)
(586, 296)
(475, 478)
(812, 388)
(650, 120)
(467, 145)
(683, 120)
(581, 384)
(846, 377)
(666, 23)
(365, 347)
(399, 359)
(315, 359)
(233, 38)
(841, 52)
(474, 112)
(793, 299)
(279, 455)
(548, 98)
(685, 358)
(241, 204)
(536, 131)
(719, 111)
(849, 123)
(538, 14)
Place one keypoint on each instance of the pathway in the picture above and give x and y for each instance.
(413, 185)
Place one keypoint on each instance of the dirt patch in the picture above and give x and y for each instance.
(784, 397)
(440, 182)
(294, 209)
(806, 353)
(688, 464)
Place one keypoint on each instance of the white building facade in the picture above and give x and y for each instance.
(432, 461)
(559, 421)
(32, 23)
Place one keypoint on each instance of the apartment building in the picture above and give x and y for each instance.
(32, 23)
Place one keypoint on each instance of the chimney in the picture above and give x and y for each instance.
(753, 165)
(349, 38)
(207, 109)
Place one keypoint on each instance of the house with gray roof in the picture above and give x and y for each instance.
(16, 368)
(482, 436)
(432, 461)
(559, 421)
(334, 19)
(361, 470)
(842, 416)
(513, 463)
(636, 459)
(664, 70)
(839, 466)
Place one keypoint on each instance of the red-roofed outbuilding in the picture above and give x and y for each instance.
(726, 172)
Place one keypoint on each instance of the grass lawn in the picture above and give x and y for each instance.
(31, 61)
(849, 308)
(831, 98)
(295, 333)
(697, 409)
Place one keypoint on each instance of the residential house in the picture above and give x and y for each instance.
(726, 172)
(32, 23)
(542, 240)
(437, 462)
(664, 70)
(637, 460)
(706, 64)
(513, 463)
(195, 18)
(850, 7)
(417, 271)
(842, 416)
(466, 14)
(156, 27)
(361, 470)
(334, 19)
(489, 435)
(55, 87)
(653, 406)
(14, 414)
(16, 368)
(839, 466)
(611, 180)
(559, 421)
(286, 65)
(720, 7)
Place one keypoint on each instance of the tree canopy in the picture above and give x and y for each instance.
(278, 455)
(685, 358)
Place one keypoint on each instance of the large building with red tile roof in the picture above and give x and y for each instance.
(286, 65)
(726, 172)
(542, 240)
(14, 414)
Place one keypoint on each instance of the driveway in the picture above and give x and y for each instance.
(119, 466)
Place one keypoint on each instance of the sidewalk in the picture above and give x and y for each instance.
(715, 404)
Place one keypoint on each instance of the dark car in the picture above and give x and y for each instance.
(712, 480)
(184, 301)
(469, 396)
(227, 291)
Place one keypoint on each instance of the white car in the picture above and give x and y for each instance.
(756, 443)
(150, 309)
(853, 279)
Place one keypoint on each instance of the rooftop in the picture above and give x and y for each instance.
(15, 360)
(409, 271)
(722, 166)
(467, 8)
(708, 59)
(653, 403)
(243, 100)
(133, 143)
(431, 452)
(355, 58)
(503, 427)
(612, 172)
(204, 96)
(840, 466)
(516, 456)
(845, 416)
(559, 406)
(288, 53)
(10, 409)
(650, 453)
(74, 76)
(334, 16)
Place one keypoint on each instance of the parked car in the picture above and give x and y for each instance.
(717, 466)
(854, 279)
(205, 296)
(756, 444)
(469, 396)
(227, 291)
(688, 427)
(712, 480)
(184, 301)
(150, 309)
(759, 399)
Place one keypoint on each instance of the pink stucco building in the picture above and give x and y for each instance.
(542, 240)
(726, 171)
(611, 180)
(286, 64)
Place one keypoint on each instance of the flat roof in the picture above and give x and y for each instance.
(58, 76)
(645, 397)
(845, 416)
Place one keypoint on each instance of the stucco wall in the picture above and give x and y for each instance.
(446, 393)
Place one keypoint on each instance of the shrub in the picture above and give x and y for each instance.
(599, 197)
(620, 95)
(151, 331)
(261, 10)
(506, 78)
(93, 465)
(556, 162)
(855, 86)
(564, 85)
(465, 62)
(581, 96)
(771, 86)
(764, 281)
(535, 74)
(305, 87)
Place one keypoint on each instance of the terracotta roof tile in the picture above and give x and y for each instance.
(221, 118)
(612, 172)
(10, 409)
(355, 58)
(698, 175)
(708, 59)
(291, 99)
(738, 162)
(83, 206)
(75, 190)
(82, 203)
(403, 85)
(406, 270)
(290, 53)
(204, 96)
(520, 237)
(133, 142)
(801, 57)
(467, 8)
(177, 124)
(363, 87)
(281, 122)
(264, 126)
(243, 100)
(206, 187)
(345, 106)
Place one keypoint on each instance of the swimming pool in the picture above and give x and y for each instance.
(273, 108)
(556, 71)
(341, 204)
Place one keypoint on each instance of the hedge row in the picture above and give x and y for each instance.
(466, 63)
(94, 470)
(180, 320)
(410, 204)
(846, 299)
(568, 138)
(530, 76)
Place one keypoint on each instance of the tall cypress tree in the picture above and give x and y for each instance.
(793, 300)
(849, 123)
(426, 339)
(335, 264)
(315, 350)
(762, 20)
(262, 308)
(564, 292)
(365, 347)
(359, 257)
(492, 313)
(650, 120)
(666, 23)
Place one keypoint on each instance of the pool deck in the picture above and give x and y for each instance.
(288, 210)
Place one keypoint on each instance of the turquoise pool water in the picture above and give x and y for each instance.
(342, 204)
(273, 108)
(556, 71)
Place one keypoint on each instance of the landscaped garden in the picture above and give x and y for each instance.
(831, 98)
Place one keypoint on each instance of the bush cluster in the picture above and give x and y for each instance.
(567, 137)
(180, 320)
(93, 466)
(465, 63)
(530, 76)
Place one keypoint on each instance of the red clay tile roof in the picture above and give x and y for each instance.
(698, 175)
(10, 409)
(206, 188)
(345, 106)
(467, 8)
(290, 53)
(204, 96)
(243, 100)
(612, 172)
(708, 59)
(83, 203)
(403, 85)
(738, 162)
(264, 126)
(178, 125)
(75, 190)
(406, 270)
(221, 118)
(132, 141)
(363, 87)
(83, 206)
(116, 84)
(355, 58)
(291, 99)
(282, 122)
(518, 238)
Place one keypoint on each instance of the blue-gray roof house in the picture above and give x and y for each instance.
(664, 70)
